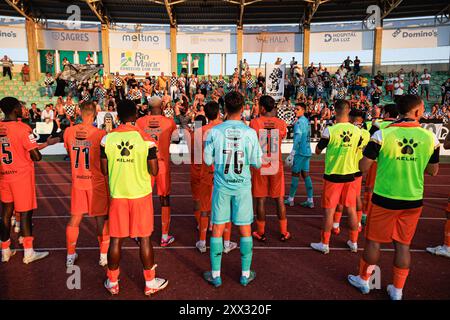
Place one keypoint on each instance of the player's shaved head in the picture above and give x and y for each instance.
(267, 102)
(408, 103)
(392, 110)
(212, 109)
(87, 108)
(155, 104)
(126, 111)
(234, 102)
(356, 115)
(342, 107)
(9, 104)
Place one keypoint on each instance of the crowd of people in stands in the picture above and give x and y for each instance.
(185, 96)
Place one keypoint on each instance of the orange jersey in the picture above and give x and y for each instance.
(201, 170)
(83, 145)
(160, 128)
(17, 140)
(270, 140)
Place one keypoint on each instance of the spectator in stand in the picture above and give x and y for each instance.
(379, 79)
(48, 114)
(399, 89)
(119, 87)
(25, 73)
(184, 66)
(85, 95)
(390, 85)
(356, 67)
(162, 82)
(48, 83)
(35, 113)
(173, 86)
(425, 83)
(100, 94)
(261, 83)
(7, 64)
(49, 61)
(61, 84)
(89, 59)
(414, 88)
(445, 88)
(65, 62)
(195, 65)
(347, 63)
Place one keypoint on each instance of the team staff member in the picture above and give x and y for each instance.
(17, 181)
(161, 128)
(300, 157)
(232, 147)
(268, 181)
(404, 151)
(444, 250)
(356, 117)
(341, 141)
(128, 157)
(89, 186)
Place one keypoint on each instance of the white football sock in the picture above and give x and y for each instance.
(215, 274)
(246, 273)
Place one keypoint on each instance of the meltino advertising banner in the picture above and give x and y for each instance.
(137, 40)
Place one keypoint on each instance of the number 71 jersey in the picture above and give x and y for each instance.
(83, 145)
(232, 147)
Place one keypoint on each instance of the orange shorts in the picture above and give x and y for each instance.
(195, 188)
(162, 181)
(22, 192)
(94, 202)
(268, 185)
(338, 193)
(131, 217)
(385, 225)
(371, 175)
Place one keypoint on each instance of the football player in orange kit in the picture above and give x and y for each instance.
(89, 186)
(161, 129)
(268, 181)
(17, 181)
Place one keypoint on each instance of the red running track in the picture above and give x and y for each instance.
(284, 270)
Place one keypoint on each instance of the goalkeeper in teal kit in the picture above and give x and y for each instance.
(300, 157)
(232, 147)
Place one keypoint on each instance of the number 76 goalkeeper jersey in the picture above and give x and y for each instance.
(232, 147)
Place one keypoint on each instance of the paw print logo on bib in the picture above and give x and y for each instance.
(125, 148)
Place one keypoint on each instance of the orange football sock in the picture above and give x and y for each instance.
(400, 276)
(149, 275)
(447, 233)
(104, 239)
(227, 232)
(71, 238)
(337, 217)
(203, 227)
(325, 237)
(283, 226)
(6, 244)
(366, 200)
(28, 242)
(260, 227)
(353, 236)
(165, 218)
(365, 269)
(197, 216)
(113, 275)
(359, 215)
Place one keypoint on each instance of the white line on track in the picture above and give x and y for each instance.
(188, 182)
(267, 215)
(192, 248)
(190, 196)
